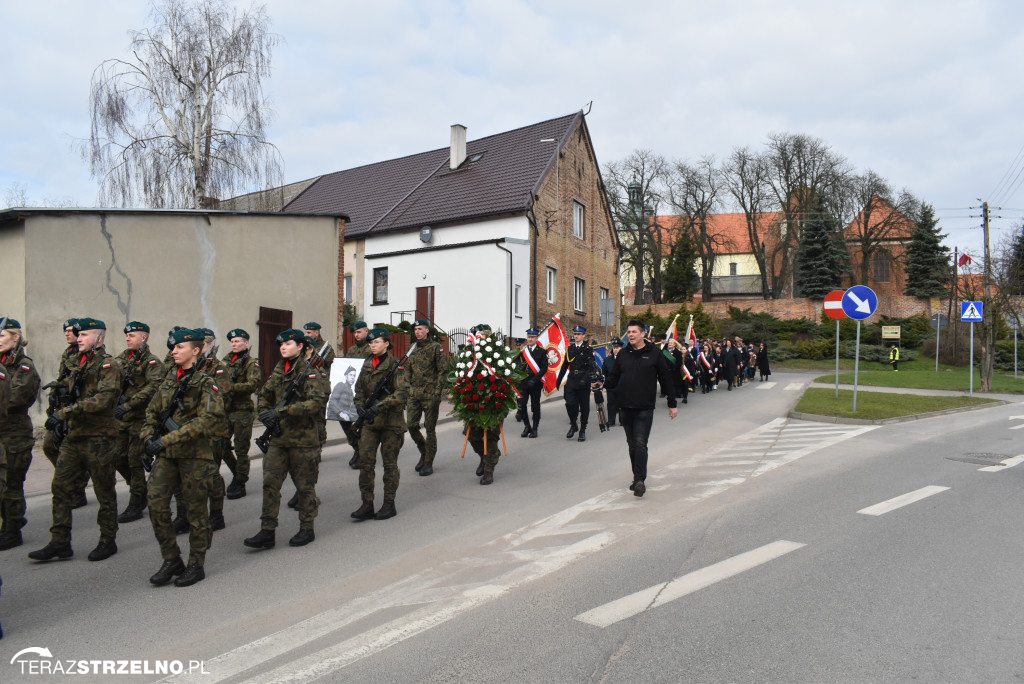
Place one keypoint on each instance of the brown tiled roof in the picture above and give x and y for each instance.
(729, 230)
(420, 189)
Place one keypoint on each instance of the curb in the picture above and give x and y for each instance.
(898, 419)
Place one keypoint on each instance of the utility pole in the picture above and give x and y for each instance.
(988, 327)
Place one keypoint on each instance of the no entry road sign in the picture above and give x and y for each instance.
(833, 305)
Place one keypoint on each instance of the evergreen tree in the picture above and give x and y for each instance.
(680, 277)
(822, 258)
(927, 257)
(1013, 275)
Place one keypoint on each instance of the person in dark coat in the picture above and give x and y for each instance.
(606, 370)
(730, 362)
(762, 362)
(674, 350)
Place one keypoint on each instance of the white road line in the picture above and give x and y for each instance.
(1007, 463)
(1017, 427)
(795, 386)
(660, 594)
(902, 500)
(767, 385)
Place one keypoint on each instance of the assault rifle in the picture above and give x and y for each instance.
(129, 377)
(167, 425)
(292, 392)
(378, 391)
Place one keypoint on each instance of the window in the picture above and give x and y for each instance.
(552, 273)
(515, 301)
(604, 293)
(579, 294)
(577, 219)
(380, 285)
(348, 289)
(882, 267)
(732, 268)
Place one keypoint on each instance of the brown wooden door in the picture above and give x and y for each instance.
(270, 323)
(425, 303)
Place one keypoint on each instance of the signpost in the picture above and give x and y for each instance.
(972, 312)
(833, 307)
(939, 323)
(859, 302)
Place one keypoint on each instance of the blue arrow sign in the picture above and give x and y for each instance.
(971, 312)
(859, 302)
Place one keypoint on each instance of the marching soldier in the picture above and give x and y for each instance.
(58, 392)
(312, 329)
(295, 447)
(142, 375)
(383, 424)
(425, 371)
(18, 391)
(359, 350)
(530, 388)
(244, 374)
(579, 362)
(87, 448)
(180, 420)
(220, 437)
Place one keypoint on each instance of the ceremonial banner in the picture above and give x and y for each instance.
(553, 339)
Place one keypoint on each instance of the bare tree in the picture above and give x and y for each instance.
(634, 186)
(694, 191)
(876, 216)
(16, 195)
(745, 177)
(185, 118)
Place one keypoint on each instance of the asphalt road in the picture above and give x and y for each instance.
(753, 557)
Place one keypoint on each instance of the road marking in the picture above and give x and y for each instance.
(767, 385)
(661, 594)
(1007, 463)
(793, 386)
(902, 500)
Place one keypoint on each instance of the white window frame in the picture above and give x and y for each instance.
(579, 295)
(348, 290)
(579, 215)
(552, 284)
(515, 301)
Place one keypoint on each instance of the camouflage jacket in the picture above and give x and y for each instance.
(92, 413)
(300, 417)
(22, 383)
(200, 412)
(5, 391)
(359, 350)
(142, 373)
(425, 370)
(244, 376)
(219, 372)
(391, 402)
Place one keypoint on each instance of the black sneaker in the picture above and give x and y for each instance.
(103, 551)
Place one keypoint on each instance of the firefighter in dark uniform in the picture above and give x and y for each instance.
(531, 386)
(579, 364)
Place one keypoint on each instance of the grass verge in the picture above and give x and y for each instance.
(955, 379)
(878, 405)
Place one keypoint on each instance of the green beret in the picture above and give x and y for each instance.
(70, 323)
(358, 325)
(482, 326)
(290, 334)
(206, 331)
(312, 325)
(421, 321)
(381, 333)
(12, 324)
(91, 324)
(135, 326)
(237, 332)
(184, 335)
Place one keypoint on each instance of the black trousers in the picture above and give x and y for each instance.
(613, 406)
(637, 424)
(577, 401)
(530, 391)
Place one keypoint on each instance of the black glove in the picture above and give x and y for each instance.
(120, 410)
(367, 414)
(154, 447)
(52, 422)
(269, 418)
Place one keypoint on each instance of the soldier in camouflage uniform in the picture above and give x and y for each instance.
(142, 374)
(312, 329)
(88, 447)
(425, 371)
(16, 436)
(295, 447)
(220, 437)
(484, 442)
(359, 350)
(383, 424)
(315, 364)
(244, 372)
(179, 421)
(67, 365)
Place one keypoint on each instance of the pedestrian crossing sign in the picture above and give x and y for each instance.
(971, 312)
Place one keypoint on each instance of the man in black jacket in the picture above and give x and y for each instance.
(638, 369)
(530, 387)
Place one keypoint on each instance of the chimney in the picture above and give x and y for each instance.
(458, 154)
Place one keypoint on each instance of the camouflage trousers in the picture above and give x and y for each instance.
(191, 477)
(241, 433)
(50, 451)
(91, 456)
(221, 451)
(303, 464)
(390, 443)
(128, 450)
(427, 408)
(478, 440)
(12, 489)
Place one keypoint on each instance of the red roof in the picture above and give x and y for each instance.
(729, 230)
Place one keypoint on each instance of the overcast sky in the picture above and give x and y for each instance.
(928, 94)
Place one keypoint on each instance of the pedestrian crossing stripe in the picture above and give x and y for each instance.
(970, 312)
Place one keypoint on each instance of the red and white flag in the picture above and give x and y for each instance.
(553, 339)
(965, 260)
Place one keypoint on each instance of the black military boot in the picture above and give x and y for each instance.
(264, 539)
(533, 428)
(130, 514)
(480, 468)
(103, 551)
(301, 538)
(364, 512)
(193, 573)
(583, 434)
(58, 550)
(167, 572)
(427, 469)
(353, 462)
(572, 431)
(180, 522)
(79, 500)
(387, 510)
(419, 463)
(235, 490)
(9, 539)
(526, 426)
(217, 521)
(294, 501)
(487, 479)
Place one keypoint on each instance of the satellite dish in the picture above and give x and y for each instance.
(426, 233)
